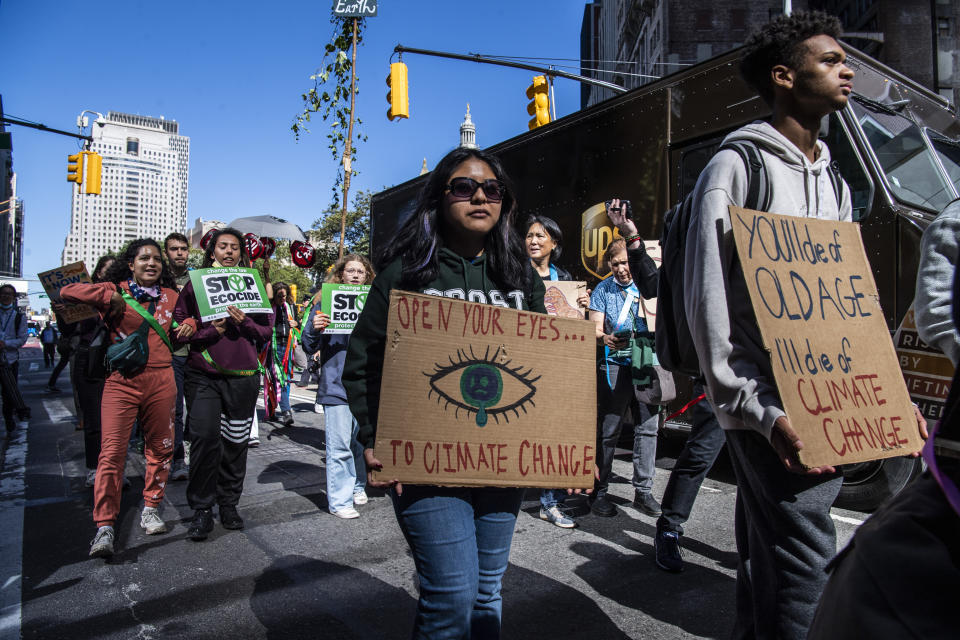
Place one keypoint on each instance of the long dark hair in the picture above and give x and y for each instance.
(419, 239)
(119, 271)
(208, 254)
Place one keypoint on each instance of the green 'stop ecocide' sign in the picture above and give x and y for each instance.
(355, 8)
(343, 303)
(217, 289)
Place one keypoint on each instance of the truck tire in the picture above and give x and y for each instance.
(867, 485)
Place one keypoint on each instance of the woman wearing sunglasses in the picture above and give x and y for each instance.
(460, 239)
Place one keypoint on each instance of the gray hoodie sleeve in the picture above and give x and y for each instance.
(934, 299)
(717, 303)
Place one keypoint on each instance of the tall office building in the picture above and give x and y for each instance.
(11, 213)
(143, 187)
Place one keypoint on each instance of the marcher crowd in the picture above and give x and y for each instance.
(197, 383)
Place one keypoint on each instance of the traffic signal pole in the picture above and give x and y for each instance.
(549, 72)
(42, 127)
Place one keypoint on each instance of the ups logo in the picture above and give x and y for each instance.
(597, 233)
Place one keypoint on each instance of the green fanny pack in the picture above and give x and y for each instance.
(130, 355)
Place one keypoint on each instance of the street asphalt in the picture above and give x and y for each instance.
(296, 571)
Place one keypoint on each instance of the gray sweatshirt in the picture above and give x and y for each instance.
(934, 300)
(735, 364)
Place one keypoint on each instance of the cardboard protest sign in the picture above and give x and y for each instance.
(927, 371)
(819, 315)
(218, 288)
(55, 279)
(482, 395)
(561, 296)
(343, 303)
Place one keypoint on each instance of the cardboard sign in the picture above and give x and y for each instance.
(927, 371)
(820, 319)
(218, 288)
(561, 298)
(480, 395)
(343, 303)
(55, 279)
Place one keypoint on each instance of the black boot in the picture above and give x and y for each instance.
(202, 525)
(229, 517)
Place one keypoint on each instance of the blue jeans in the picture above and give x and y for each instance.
(460, 540)
(284, 402)
(346, 469)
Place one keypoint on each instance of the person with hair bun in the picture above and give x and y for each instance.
(221, 384)
(147, 394)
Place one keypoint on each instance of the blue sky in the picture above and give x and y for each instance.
(231, 73)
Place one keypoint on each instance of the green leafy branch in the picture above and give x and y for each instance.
(330, 96)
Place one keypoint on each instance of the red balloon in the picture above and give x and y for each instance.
(254, 246)
(302, 254)
(269, 246)
(205, 240)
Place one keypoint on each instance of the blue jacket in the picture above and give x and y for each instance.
(333, 353)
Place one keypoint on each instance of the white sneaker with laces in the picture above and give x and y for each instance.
(557, 517)
(102, 545)
(91, 478)
(347, 513)
(151, 522)
(360, 498)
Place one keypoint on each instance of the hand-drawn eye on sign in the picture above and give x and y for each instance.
(254, 246)
(483, 386)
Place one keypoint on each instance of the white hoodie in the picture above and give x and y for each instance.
(736, 366)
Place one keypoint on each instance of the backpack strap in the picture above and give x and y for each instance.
(758, 187)
(836, 181)
(147, 316)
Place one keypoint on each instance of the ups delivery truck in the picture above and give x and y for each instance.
(896, 144)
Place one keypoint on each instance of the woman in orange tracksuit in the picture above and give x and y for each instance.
(148, 394)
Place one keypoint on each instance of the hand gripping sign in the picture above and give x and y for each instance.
(217, 289)
(343, 303)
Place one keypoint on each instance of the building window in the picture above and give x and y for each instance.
(133, 146)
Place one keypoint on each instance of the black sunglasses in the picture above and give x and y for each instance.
(464, 188)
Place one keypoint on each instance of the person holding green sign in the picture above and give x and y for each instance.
(221, 384)
(346, 471)
(137, 301)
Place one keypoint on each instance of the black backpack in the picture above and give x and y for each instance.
(675, 349)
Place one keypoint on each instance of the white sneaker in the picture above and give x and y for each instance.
(318, 408)
(151, 522)
(360, 498)
(346, 513)
(91, 478)
(102, 545)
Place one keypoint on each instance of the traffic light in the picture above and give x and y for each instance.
(94, 162)
(539, 106)
(75, 168)
(397, 96)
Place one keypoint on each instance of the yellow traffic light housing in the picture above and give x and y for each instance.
(75, 168)
(94, 163)
(397, 96)
(539, 106)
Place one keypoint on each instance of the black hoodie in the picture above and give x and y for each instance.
(458, 278)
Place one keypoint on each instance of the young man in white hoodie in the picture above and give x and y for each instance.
(783, 528)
